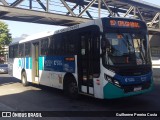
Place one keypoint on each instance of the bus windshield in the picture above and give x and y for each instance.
(125, 49)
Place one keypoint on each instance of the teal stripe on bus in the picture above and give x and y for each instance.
(30, 60)
(27, 62)
(40, 60)
(111, 91)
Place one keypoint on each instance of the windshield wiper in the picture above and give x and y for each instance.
(128, 44)
(141, 51)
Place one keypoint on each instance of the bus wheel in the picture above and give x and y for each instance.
(24, 79)
(72, 89)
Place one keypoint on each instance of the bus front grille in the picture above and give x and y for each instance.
(130, 88)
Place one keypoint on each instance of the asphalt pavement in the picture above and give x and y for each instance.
(15, 97)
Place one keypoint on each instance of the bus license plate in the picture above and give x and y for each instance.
(137, 88)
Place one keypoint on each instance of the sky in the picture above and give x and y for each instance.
(17, 29)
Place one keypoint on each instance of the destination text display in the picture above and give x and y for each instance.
(124, 24)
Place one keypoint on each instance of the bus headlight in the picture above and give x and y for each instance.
(111, 80)
(116, 83)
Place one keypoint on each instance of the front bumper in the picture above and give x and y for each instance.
(111, 91)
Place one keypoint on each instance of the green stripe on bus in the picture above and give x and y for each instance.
(111, 91)
(30, 63)
(40, 60)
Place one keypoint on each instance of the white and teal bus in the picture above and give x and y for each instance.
(104, 58)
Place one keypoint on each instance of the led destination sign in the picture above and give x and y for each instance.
(124, 24)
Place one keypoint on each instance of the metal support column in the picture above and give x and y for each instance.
(154, 19)
(4, 3)
(17, 2)
(128, 11)
(141, 17)
(41, 4)
(68, 8)
(134, 12)
(159, 22)
(80, 9)
(99, 8)
(47, 5)
(72, 9)
(30, 4)
(110, 11)
(90, 4)
(89, 15)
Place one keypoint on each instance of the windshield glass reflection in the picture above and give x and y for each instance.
(125, 48)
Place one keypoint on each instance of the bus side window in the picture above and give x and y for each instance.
(27, 49)
(58, 40)
(68, 44)
(44, 46)
(83, 50)
(52, 46)
(15, 51)
(96, 54)
(21, 50)
(65, 42)
(11, 51)
(72, 44)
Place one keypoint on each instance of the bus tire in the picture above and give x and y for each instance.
(24, 79)
(71, 89)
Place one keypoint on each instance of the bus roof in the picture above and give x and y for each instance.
(50, 33)
(34, 37)
(37, 36)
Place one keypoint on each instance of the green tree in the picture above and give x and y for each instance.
(5, 39)
(5, 36)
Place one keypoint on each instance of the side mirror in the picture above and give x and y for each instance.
(103, 44)
(106, 47)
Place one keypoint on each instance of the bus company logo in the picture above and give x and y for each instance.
(143, 78)
(129, 80)
(58, 62)
(48, 62)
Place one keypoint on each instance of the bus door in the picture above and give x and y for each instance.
(85, 73)
(35, 69)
